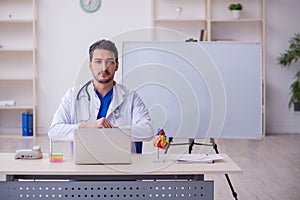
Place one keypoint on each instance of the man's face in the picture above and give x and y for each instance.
(103, 66)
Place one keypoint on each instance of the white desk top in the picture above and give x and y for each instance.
(141, 165)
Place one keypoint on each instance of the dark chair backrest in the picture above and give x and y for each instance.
(138, 147)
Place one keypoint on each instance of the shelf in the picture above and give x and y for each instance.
(179, 20)
(25, 107)
(17, 9)
(11, 124)
(15, 36)
(16, 78)
(18, 42)
(21, 90)
(30, 21)
(182, 9)
(15, 136)
(236, 20)
(242, 31)
(16, 50)
(251, 9)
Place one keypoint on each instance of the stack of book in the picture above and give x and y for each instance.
(7, 103)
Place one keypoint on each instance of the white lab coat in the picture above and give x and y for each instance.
(126, 110)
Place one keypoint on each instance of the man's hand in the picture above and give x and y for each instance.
(99, 123)
(104, 123)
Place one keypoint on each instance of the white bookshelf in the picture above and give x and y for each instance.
(215, 18)
(211, 15)
(17, 64)
(178, 19)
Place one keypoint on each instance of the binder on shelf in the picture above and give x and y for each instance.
(24, 124)
(203, 35)
(30, 124)
(27, 124)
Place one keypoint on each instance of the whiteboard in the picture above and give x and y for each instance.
(198, 89)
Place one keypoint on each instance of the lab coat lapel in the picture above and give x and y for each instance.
(119, 95)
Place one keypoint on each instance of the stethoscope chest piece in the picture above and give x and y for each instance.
(116, 113)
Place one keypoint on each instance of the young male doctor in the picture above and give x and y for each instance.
(101, 102)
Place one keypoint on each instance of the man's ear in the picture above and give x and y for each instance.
(117, 66)
(90, 65)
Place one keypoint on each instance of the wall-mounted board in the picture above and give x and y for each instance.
(198, 89)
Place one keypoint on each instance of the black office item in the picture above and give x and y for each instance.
(191, 142)
(202, 35)
(191, 40)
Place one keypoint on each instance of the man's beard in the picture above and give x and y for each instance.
(103, 81)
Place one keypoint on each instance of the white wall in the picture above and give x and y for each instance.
(65, 33)
(282, 21)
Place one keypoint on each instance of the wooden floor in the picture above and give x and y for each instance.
(271, 166)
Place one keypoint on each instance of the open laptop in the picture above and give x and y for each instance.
(102, 146)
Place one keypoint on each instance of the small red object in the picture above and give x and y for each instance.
(161, 140)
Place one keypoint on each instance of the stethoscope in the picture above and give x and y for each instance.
(84, 88)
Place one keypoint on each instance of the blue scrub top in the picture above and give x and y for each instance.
(105, 101)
